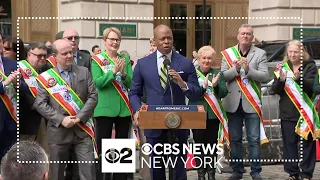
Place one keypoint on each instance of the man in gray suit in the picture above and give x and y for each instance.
(244, 64)
(64, 132)
(80, 58)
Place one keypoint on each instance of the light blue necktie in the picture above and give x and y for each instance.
(75, 59)
(66, 77)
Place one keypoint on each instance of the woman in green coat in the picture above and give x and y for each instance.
(112, 75)
(213, 89)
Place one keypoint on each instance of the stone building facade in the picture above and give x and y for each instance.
(283, 29)
(137, 18)
(100, 14)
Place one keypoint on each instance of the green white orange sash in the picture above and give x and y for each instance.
(309, 120)
(29, 75)
(52, 61)
(9, 98)
(316, 104)
(248, 88)
(68, 99)
(302, 102)
(106, 64)
(216, 106)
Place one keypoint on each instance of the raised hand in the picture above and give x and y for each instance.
(117, 65)
(205, 83)
(296, 75)
(215, 80)
(283, 75)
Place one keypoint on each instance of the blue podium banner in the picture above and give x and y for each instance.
(189, 108)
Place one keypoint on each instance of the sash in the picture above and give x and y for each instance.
(216, 106)
(248, 88)
(52, 61)
(316, 104)
(9, 98)
(106, 64)
(29, 75)
(68, 99)
(302, 102)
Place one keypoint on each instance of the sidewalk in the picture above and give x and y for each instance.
(269, 172)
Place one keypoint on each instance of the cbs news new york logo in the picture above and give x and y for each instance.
(118, 155)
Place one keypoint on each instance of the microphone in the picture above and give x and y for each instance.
(167, 65)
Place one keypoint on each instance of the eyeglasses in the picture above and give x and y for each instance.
(114, 40)
(39, 56)
(7, 48)
(70, 38)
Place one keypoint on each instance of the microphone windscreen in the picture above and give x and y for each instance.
(167, 63)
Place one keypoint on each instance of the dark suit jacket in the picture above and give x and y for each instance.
(146, 75)
(6, 120)
(29, 117)
(84, 59)
(81, 83)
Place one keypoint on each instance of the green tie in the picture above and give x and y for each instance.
(163, 75)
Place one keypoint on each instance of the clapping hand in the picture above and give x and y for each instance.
(118, 67)
(205, 83)
(215, 80)
(12, 78)
(283, 75)
(296, 75)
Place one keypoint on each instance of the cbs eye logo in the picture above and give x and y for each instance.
(112, 155)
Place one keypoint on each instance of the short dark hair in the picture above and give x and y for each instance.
(95, 46)
(12, 42)
(37, 44)
(12, 169)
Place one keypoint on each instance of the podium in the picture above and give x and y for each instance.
(172, 117)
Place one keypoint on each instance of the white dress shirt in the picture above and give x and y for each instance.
(160, 62)
(160, 59)
(1, 65)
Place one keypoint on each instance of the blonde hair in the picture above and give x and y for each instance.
(110, 29)
(305, 55)
(151, 40)
(207, 50)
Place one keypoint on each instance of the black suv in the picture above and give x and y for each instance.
(275, 51)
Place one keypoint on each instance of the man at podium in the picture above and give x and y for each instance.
(157, 72)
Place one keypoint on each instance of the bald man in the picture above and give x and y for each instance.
(66, 115)
(80, 58)
(148, 73)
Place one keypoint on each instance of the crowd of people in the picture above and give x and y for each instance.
(69, 100)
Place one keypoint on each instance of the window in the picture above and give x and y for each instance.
(179, 27)
(5, 18)
(315, 48)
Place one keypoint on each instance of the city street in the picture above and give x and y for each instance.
(269, 172)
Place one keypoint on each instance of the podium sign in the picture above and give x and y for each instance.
(172, 117)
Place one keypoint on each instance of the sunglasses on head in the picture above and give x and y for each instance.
(70, 38)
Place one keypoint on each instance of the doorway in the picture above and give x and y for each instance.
(188, 34)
